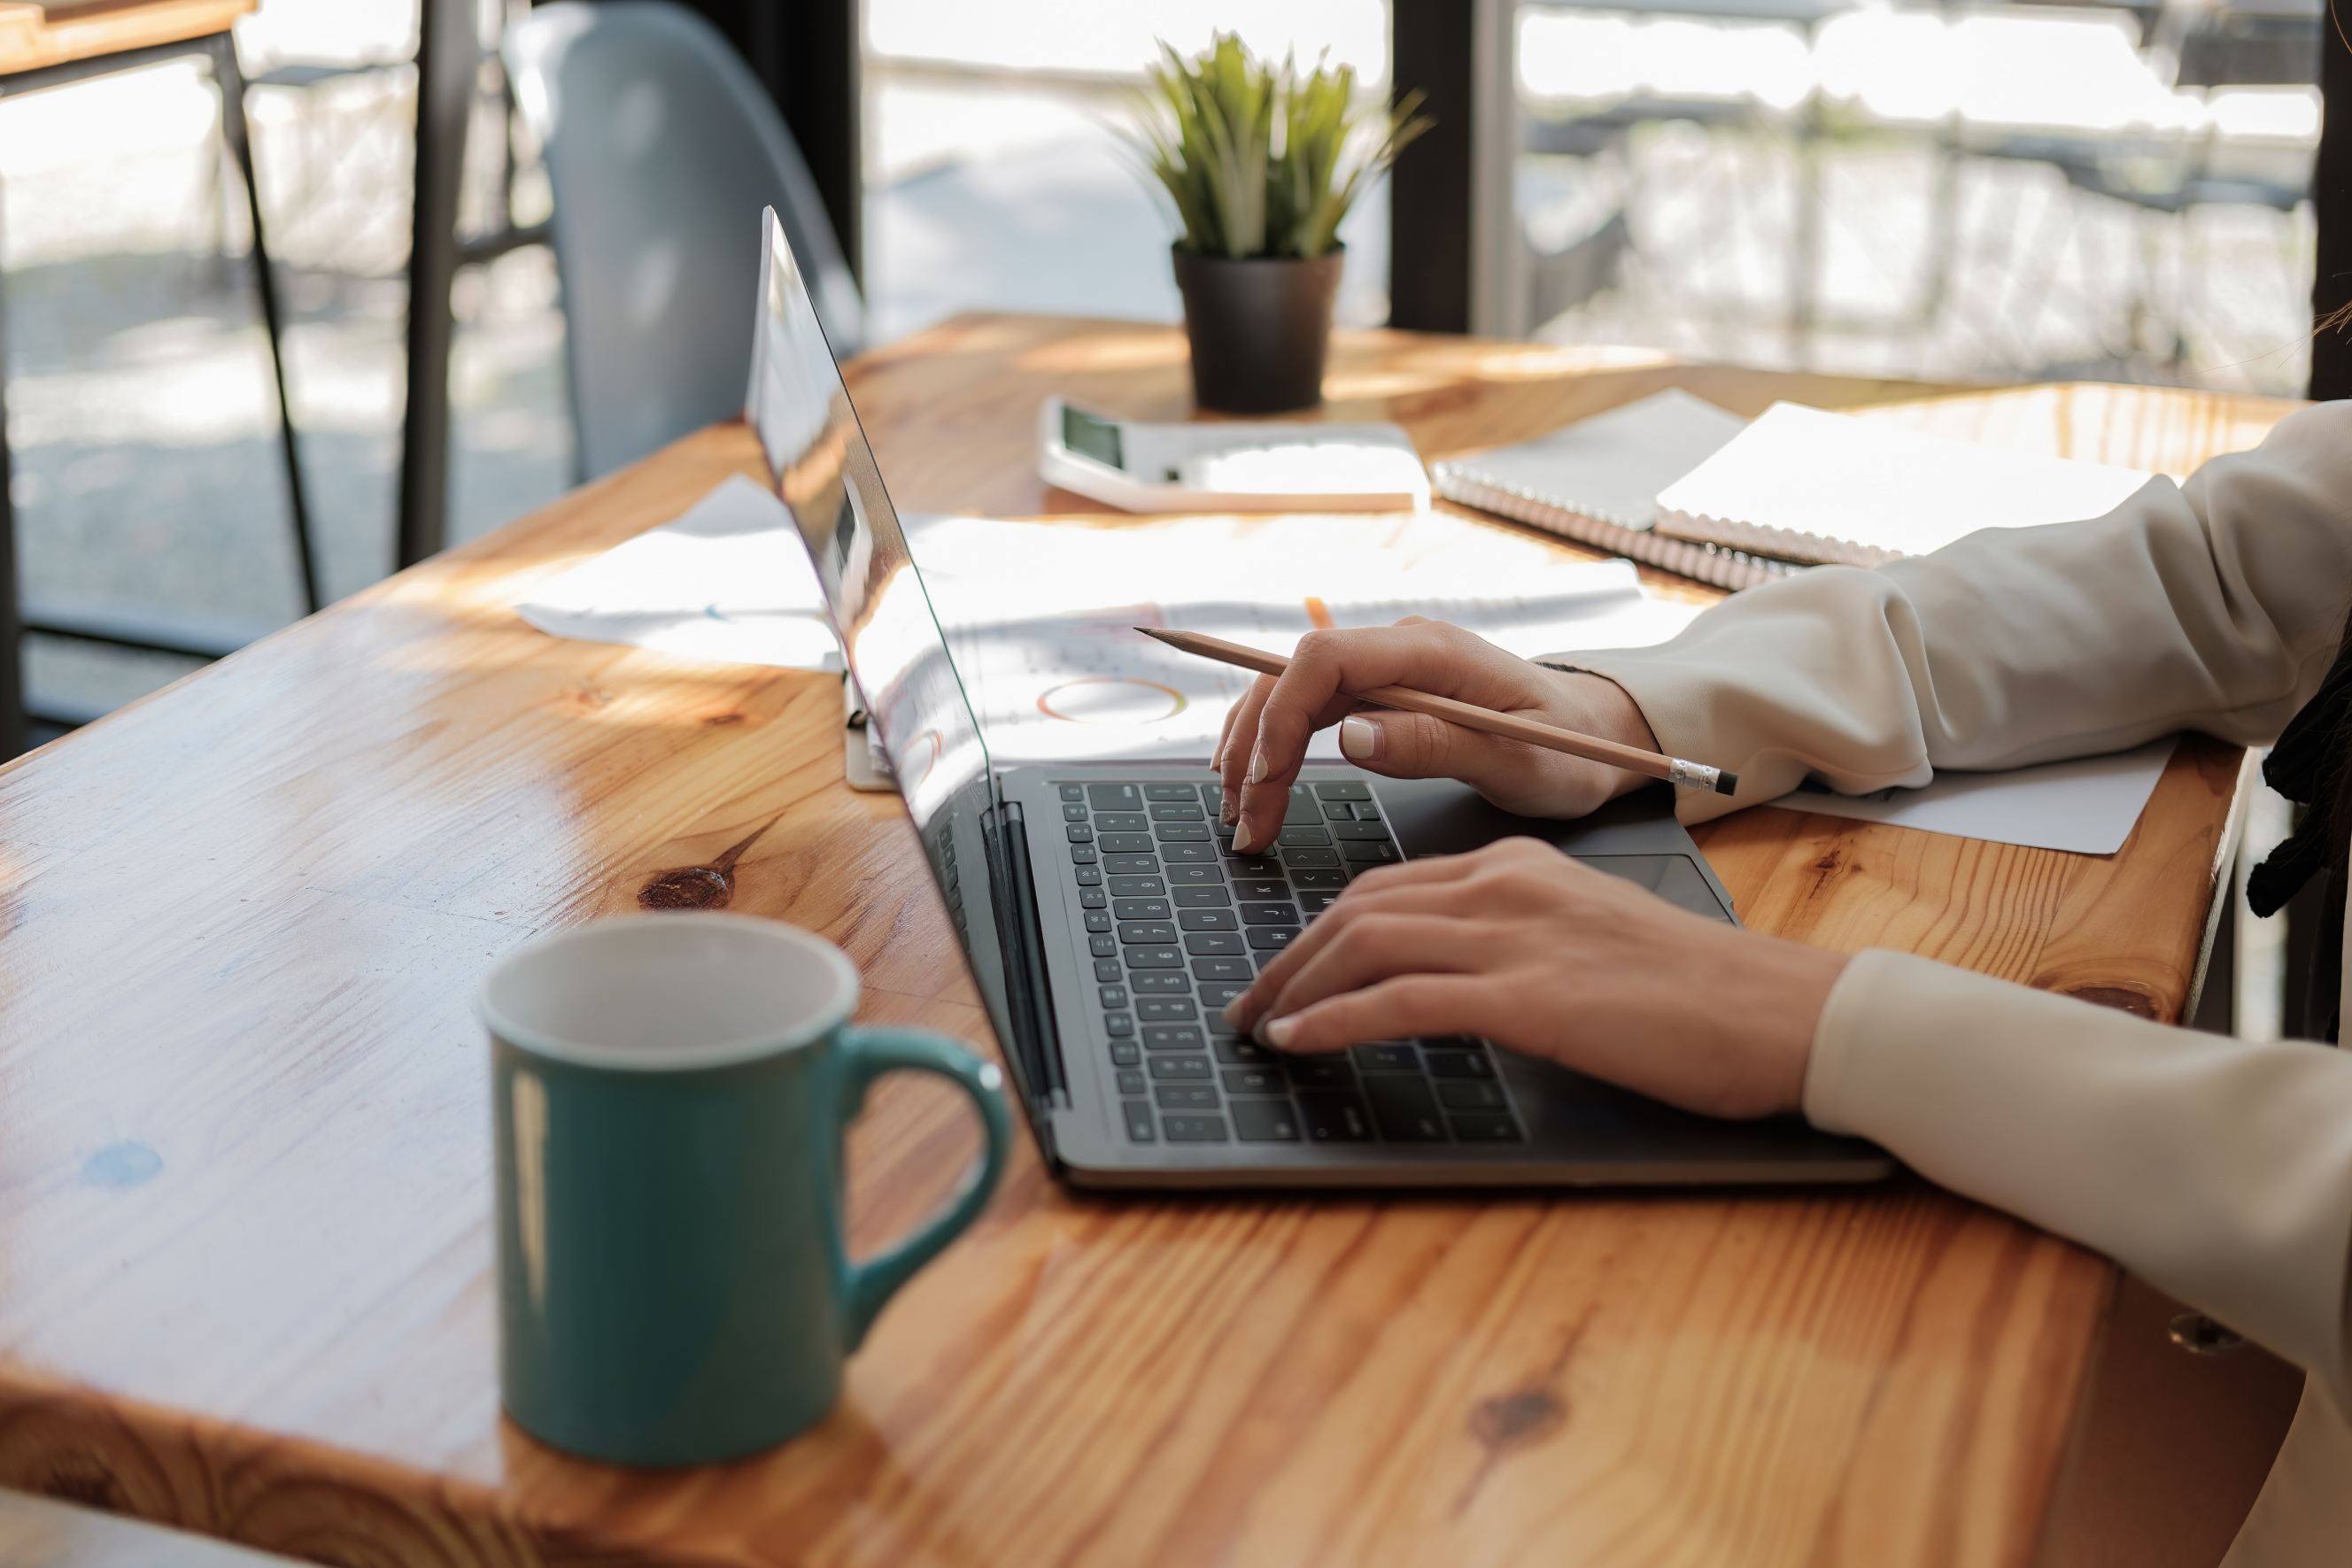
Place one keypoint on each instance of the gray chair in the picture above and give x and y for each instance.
(661, 148)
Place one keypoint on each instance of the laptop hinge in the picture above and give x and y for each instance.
(1027, 993)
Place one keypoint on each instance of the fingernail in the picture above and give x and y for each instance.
(1229, 809)
(1257, 768)
(1241, 838)
(1277, 1032)
(1360, 739)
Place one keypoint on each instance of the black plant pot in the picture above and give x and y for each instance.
(1259, 329)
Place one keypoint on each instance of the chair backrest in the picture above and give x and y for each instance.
(662, 149)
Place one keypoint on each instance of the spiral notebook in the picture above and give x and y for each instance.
(1596, 482)
(1810, 486)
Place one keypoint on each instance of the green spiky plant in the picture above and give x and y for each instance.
(1259, 159)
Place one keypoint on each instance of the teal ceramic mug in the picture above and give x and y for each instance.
(670, 1093)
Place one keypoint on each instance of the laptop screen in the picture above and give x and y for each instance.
(820, 465)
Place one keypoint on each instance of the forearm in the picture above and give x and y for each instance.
(2219, 1169)
(2215, 606)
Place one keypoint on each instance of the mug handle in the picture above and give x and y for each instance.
(866, 1054)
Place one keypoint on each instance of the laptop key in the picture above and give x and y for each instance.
(1265, 1121)
(1344, 789)
(1125, 843)
(1460, 1064)
(1098, 919)
(1224, 969)
(1207, 920)
(1074, 813)
(1074, 791)
(1160, 983)
(1185, 1097)
(1260, 868)
(1119, 1025)
(1301, 807)
(1281, 914)
(1386, 1058)
(1138, 1122)
(1271, 939)
(1140, 909)
(1115, 797)
(1169, 791)
(1267, 1080)
(1486, 1128)
(1137, 887)
(1155, 931)
(1126, 1053)
(1194, 1129)
(1404, 1109)
(1313, 881)
(1173, 1037)
(1243, 1052)
(1365, 852)
(1084, 854)
(1078, 833)
(1107, 970)
(1194, 876)
(1202, 897)
(1366, 812)
(1335, 1119)
(1181, 833)
(1102, 945)
(1122, 823)
(1260, 889)
(1166, 1010)
(1179, 1069)
(1319, 1071)
(1152, 958)
(1338, 811)
(1310, 859)
(1113, 997)
(1132, 1082)
(1314, 904)
(1188, 854)
(1301, 837)
(1203, 944)
(1089, 876)
(1175, 811)
(1469, 1094)
(1367, 832)
(1093, 898)
(1215, 996)
(1130, 865)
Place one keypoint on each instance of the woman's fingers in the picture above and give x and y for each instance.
(1430, 895)
(1408, 1005)
(1303, 699)
(1382, 946)
(1241, 729)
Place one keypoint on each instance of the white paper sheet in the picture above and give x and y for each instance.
(2087, 805)
(729, 580)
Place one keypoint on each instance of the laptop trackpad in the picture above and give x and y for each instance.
(1634, 836)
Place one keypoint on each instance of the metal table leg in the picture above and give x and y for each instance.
(447, 57)
(234, 127)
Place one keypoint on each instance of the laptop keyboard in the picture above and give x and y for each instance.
(1177, 926)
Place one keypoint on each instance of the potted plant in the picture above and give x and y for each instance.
(1261, 162)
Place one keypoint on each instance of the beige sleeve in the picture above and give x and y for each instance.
(2219, 1169)
(2215, 605)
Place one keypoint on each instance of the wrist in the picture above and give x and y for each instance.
(1599, 706)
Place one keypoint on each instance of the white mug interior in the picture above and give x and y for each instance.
(669, 992)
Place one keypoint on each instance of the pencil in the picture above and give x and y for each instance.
(1592, 748)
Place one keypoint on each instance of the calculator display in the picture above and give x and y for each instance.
(1090, 436)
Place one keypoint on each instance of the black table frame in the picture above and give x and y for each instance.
(190, 638)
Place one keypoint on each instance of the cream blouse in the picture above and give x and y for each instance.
(2219, 1169)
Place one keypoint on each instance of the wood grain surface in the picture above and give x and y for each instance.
(245, 1251)
(33, 36)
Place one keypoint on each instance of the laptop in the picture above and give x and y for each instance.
(1107, 919)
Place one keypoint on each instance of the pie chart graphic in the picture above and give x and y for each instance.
(1111, 699)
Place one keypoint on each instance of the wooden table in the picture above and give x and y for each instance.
(35, 36)
(245, 1262)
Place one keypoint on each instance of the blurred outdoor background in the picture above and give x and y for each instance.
(1955, 191)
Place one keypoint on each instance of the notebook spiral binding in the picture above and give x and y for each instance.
(1715, 565)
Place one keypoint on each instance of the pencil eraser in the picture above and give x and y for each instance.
(1727, 782)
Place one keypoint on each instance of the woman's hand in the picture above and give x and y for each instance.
(1520, 944)
(1265, 734)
